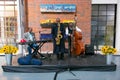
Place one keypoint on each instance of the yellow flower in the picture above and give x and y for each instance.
(54, 20)
(108, 50)
(8, 49)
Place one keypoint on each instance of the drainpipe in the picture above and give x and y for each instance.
(20, 26)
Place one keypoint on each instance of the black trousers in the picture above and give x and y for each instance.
(60, 56)
(69, 45)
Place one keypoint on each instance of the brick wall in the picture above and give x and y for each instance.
(83, 13)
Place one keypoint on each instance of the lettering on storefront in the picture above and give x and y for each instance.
(57, 7)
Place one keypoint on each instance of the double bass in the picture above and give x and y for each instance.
(77, 44)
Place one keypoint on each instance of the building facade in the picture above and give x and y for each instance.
(98, 20)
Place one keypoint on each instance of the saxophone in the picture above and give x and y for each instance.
(59, 36)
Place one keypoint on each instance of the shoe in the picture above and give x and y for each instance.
(58, 57)
(62, 56)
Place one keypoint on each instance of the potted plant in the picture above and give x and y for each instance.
(8, 50)
(108, 51)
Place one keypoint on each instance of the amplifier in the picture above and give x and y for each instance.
(89, 49)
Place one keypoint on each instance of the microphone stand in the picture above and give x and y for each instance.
(70, 43)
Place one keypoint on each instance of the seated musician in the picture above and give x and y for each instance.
(30, 36)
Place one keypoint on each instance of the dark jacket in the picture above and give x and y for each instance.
(58, 48)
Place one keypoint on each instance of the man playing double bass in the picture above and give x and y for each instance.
(74, 39)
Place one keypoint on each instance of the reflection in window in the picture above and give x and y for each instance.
(110, 13)
(102, 7)
(95, 7)
(110, 23)
(111, 8)
(102, 18)
(8, 19)
(95, 13)
(102, 12)
(110, 18)
(102, 30)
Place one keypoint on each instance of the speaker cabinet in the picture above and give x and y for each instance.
(89, 49)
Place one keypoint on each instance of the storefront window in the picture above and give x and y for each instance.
(8, 20)
(103, 25)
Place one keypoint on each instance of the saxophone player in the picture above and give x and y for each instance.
(58, 32)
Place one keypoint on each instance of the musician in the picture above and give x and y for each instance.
(30, 36)
(69, 33)
(70, 28)
(58, 32)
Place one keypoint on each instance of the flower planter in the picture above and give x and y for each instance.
(108, 59)
(8, 58)
(8, 49)
(108, 51)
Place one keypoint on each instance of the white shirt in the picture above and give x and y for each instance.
(30, 36)
(77, 29)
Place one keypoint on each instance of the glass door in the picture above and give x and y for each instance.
(8, 21)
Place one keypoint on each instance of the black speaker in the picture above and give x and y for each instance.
(89, 49)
